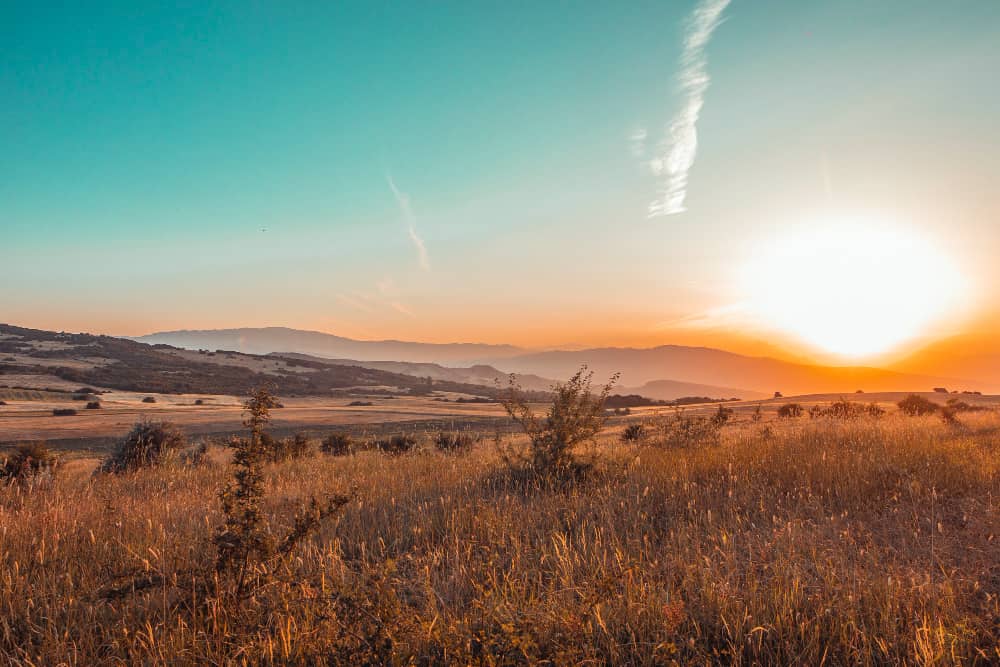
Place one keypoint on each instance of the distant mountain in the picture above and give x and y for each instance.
(669, 390)
(974, 356)
(280, 339)
(722, 369)
(479, 374)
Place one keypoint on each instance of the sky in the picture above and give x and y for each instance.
(503, 172)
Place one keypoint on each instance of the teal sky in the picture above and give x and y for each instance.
(146, 147)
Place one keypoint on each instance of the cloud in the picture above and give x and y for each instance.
(402, 308)
(403, 200)
(678, 149)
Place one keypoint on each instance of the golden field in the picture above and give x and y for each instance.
(864, 541)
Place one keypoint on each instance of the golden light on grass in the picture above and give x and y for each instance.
(851, 287)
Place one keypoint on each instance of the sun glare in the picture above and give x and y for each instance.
(852, 289)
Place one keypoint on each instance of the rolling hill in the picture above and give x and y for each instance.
(280, 339)
(117, 363)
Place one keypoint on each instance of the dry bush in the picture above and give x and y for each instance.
(917, 406)
(94, 405)
(576, 415)
(149, 443)
(634, 433)
(286, 449)
(454, 442)
(29, 462)
(790, 411)
(149, 399)
(396, 445)
(683, 431)
(338, 444)
(63, 412)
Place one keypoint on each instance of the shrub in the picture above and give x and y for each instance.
(722, 416)
(29, 462)
(633, 433)
(64, 412)
(276, 450)
(576, 415)
(80, 397)
(245, 546)
(199, 401)
(949, 416)
(454, 442)
(397, 444)
(359, 404)
(149, 399)
(338, 444)
(148, 444)
(757, 414)
(684, 432)
(3, 402)
(917, 406)
(874, 410)
(790, 411)
(94, 405)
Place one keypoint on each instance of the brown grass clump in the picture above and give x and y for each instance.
(29, 462)
(396, 445)
(842, 542)
(148, 444)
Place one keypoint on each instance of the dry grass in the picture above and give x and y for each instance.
(804, 542)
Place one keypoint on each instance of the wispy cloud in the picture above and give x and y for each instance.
(637, 142)
(406, 209)
(679, 147)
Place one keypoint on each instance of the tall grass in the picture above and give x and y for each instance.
(799, 542)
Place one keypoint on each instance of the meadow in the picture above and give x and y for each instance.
(777, 541)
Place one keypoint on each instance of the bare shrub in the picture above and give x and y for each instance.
(917, 406)
(94, 405)
(149, 399)
(63, 412)
(148, 444)
(28, 462)
(397, 444)
(576, 415)
(722, 415)
(338, 444)
(682, 431)
(286, 449)
(790, 411)
(454, 442)
(634, 433)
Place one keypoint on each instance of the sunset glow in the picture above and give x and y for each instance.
(852, 288)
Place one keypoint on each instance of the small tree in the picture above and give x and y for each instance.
(576, 415)
(29, 462)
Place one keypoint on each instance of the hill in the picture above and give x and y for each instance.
(479, 374)
(281, 339)
(116, 363)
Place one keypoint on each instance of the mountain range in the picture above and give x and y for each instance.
(666, 371)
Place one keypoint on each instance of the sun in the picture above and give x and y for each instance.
(851, 288)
